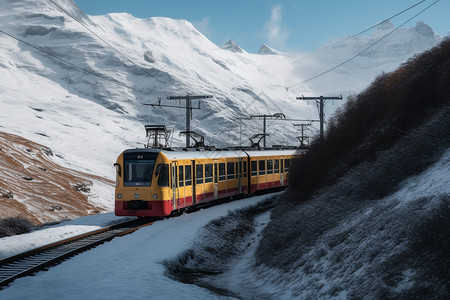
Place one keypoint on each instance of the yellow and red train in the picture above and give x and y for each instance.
(155, 182)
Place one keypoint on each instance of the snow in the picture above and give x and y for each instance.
(13, 245)
(353, 258)
(134, 266)
(129, 267)
(87, 122)
(233, 47)
(266, 50)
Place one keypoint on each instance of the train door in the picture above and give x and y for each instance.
(181, 187)
(175, 203)
(216, 179)
(239, 167)
(282, 171)
(194, 180)
(269, 172)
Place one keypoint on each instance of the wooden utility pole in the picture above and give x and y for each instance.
(188, 108)
(320, 102)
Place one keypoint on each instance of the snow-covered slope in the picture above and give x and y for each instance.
(74, 112)
(87, 121)
(233, 47)
(384, 56)
(368, 254)
(267, 50)
(110, 271)
(33, 187)
(345, 262)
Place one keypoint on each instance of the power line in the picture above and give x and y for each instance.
(397, 14)
(361, 52)
(66, 62)
(123, 55)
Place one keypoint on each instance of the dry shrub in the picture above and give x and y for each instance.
(373, 121)
(14, 225)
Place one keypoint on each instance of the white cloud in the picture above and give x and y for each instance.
(275, 34)
(203, 26)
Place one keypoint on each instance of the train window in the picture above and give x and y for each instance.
(276, 166)
(163, 179)
(287, 164)
(281, 165)
(262, 167)
(208, 173)
(199, 174)
(188, 175)
(222, 173)
(245, 169)
(270, 166)
(230, 170)
(254, 165)
(138, 171)
(180, 176)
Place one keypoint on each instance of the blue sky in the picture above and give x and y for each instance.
(287, 25)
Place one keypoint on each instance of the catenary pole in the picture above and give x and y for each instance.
(188, 108)
(320, 102)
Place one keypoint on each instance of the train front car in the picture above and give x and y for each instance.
(142, 180)
(154, 182)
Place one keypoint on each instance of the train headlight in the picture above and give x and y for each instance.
(155, 196)
(119, 196)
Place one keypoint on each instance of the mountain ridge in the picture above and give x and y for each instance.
(87, 121)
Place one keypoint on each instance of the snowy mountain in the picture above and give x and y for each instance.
(233, 47)
(267, 50)
(376, 55)
(381, 231)
(55, 99)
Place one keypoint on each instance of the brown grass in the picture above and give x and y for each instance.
(34, 187)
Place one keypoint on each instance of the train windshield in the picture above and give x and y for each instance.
(138, 168)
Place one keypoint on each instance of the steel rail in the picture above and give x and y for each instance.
(32, 261)
(41, 258)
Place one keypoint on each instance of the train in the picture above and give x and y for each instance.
(152, 182)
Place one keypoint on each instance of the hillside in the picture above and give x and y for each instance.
(367, 214)
(55, 99)
(34, 187)
(368, 211)
(368, 208)
(52, 103)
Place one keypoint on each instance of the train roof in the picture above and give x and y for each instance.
(203, 154)
(271, 152)
(211, 154)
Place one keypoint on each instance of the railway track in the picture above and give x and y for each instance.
(38, 259)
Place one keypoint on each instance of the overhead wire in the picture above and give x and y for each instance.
(361, 52)
(385, 20)
(66, 61)
(124, 56)
(120, 53)
(355, 35)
